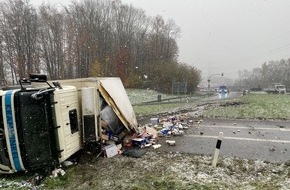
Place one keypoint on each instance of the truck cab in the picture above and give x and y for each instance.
(39, 127)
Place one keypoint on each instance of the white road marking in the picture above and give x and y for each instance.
(246, 127)
(241, 139)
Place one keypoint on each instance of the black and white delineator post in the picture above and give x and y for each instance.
(217, 149)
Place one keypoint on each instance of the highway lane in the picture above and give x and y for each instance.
(259, 140)
(251, 139)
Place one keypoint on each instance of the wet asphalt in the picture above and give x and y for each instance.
(267, 140)
(254, 140)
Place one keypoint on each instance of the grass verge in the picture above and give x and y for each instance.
(253, 106)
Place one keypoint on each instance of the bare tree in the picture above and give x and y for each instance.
(2, 77)
(89, 38)
(51, 38)
(19, 30)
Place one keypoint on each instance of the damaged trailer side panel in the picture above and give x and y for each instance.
(114, 93)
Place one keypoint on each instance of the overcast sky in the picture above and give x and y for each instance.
(224, 36)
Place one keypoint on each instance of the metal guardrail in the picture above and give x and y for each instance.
(169, 100)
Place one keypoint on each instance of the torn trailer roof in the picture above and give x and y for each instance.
(115, 95)
(113, 92)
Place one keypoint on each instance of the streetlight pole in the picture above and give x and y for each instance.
(208, 81)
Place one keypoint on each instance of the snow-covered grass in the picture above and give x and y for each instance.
(139, 96)
(157, 108)
(172, 171)
(253, 106)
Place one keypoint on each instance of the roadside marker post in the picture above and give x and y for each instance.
(217, 149)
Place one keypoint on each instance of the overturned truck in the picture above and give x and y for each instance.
(44, 123)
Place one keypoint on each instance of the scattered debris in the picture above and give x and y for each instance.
(154, 120)
(55, 173)
(156, 146)
(133, 152)
(159, 127)
(67, 163)
(111, 150)
(272, 149)
(170, 142)
(139, 142)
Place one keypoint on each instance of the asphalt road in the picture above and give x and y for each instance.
(259, 140)
(219, 96)
(251, 139)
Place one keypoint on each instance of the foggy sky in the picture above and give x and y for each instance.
(224, 36)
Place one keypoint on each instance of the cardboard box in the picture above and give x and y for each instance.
(111, 150)
(105, 137)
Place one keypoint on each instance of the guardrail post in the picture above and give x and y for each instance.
(159, 97)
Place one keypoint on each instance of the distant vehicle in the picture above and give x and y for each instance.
(223, 89)
(276, 88)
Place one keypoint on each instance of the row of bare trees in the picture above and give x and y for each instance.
(269, 73)
(90, 38)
